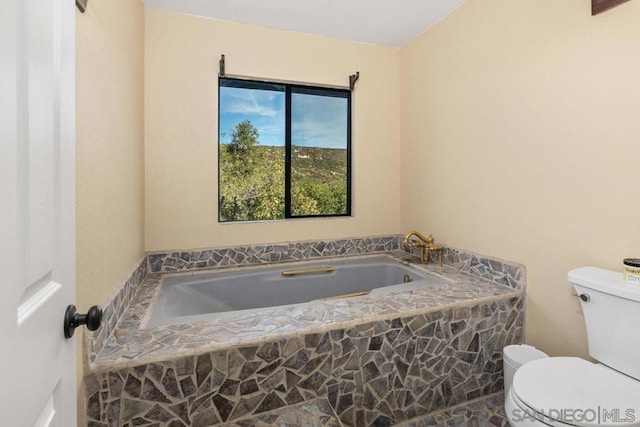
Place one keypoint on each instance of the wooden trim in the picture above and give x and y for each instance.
(599, 6)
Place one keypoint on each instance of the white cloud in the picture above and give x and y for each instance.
(250, 101)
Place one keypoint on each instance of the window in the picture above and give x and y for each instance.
(284, 151)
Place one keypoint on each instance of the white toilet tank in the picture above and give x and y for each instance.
(611, 309)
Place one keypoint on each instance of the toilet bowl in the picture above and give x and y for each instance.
(569, 391)
(514, 356)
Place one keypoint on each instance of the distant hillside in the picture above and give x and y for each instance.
(321, 163)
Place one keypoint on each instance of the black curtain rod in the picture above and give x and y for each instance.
(353, 79)
(221, 72)
(82, 5)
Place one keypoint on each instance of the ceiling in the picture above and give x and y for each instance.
(383, 22)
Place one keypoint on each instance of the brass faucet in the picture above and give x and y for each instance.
(426, 245)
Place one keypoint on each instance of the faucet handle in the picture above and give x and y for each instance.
(430, 241)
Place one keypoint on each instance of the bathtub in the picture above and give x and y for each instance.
(187, 298)
(403, 350)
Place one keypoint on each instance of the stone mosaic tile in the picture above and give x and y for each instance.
(484, 412)
(503, 272)
(169, 262)
(373, 360)
(499, 271)
(376, 373)
(114, 308)
(132, 344)
(313, 413)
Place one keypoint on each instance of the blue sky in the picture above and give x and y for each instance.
(317, 121)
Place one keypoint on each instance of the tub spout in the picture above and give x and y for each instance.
(421, 239)
(426, 245)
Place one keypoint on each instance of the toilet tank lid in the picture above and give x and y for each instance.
(607, 281)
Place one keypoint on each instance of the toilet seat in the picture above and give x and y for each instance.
(521, 415)
(569, 391)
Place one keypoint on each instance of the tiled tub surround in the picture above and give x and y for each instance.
(376, 361)
(115, 307)
(499, 271)
(171, 262)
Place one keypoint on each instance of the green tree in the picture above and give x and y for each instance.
(251, 186)
(313, 197)
(244, 138)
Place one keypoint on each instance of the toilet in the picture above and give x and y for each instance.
(570, 391)
(514, 356)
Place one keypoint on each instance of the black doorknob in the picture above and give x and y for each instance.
(73, 319)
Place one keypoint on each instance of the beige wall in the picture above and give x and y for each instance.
(110, 144)
(510, 129)
(521, 138)
(181, 66)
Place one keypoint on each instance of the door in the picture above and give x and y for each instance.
(37, 258)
